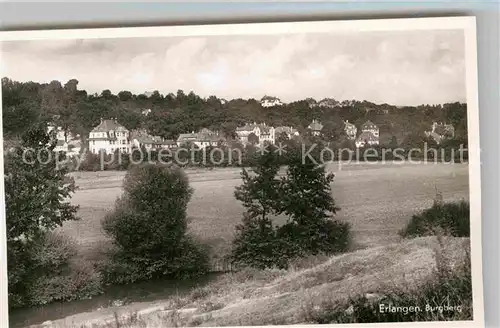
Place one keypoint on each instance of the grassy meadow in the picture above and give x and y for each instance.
(318, 290)
(377, 199)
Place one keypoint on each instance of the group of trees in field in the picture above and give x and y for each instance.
(77, 111)
(304, 196)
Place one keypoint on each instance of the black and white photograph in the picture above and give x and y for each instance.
(261, 174)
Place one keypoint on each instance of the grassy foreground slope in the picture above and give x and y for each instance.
(293, 296)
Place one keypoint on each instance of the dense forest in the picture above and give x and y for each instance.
(27, 103)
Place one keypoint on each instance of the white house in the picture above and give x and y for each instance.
(268, 101)
(369, 135)
(369, 126)
(109, 136)
(264, 132)
(366, 138)
(350, 130)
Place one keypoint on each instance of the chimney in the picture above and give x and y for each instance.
(101, 119)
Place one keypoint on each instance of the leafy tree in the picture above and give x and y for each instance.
(20, 109)
(307, 200)
(125, 95)
(253, 139)
(254, 244)
(148, 227)
(37, 193)
(394, 142)
(282, 137)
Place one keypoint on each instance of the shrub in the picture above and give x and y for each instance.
(448, 219)
(55, 274)
(256, 245)
(148, 227)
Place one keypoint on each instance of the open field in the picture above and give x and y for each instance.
(377, 199)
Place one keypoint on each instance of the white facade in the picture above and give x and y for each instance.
(271, 103)
(350, 130)
(262, 131)
(370, 127)
(109, 136)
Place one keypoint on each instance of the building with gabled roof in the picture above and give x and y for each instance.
(61, 145)
(264, 132)
(290, 131)
(109, 136)
(315, 127)
(370, 135)
(202, 139)
(369, 126)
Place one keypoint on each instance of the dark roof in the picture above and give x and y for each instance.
(108, 125)
(287, 129)
(250, 127)
(315, 126)
(269, 98)
(203, 137)
(143, 137)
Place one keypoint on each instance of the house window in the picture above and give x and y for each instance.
(93, 142)
(123, 142)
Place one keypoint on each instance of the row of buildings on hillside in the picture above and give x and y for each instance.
(111, 136)
(370, 132)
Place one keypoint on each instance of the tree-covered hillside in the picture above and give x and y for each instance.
(25, 103)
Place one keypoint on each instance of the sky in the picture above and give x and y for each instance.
(399, 68)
